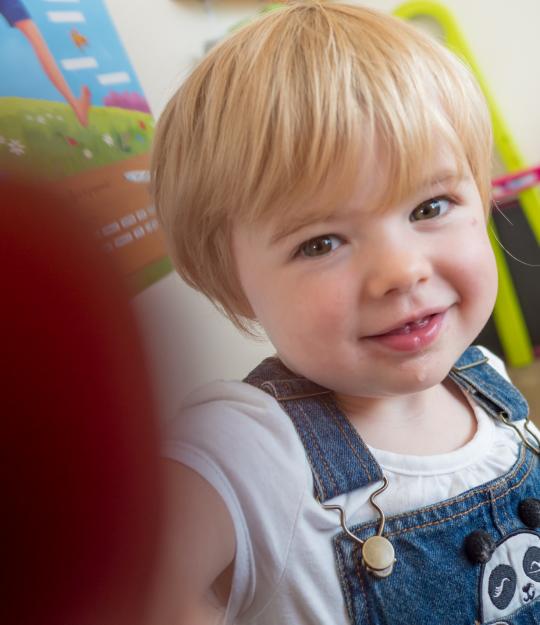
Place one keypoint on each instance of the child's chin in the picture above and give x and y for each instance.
(422, 378)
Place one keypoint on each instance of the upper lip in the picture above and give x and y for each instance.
(412, 318)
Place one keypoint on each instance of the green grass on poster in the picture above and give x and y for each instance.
(44, 138)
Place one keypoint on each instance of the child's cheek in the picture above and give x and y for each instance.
(474, 265)
(322, 306)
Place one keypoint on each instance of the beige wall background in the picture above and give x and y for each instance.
(188, 341)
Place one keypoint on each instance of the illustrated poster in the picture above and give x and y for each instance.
(72, 112)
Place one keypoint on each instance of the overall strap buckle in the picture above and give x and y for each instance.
(501, 399)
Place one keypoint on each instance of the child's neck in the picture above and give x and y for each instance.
(435, 421)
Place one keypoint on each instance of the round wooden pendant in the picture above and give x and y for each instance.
(378, 556)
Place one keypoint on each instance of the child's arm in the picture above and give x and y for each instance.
(198, 546)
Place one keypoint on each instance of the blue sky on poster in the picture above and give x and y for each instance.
(102, 64)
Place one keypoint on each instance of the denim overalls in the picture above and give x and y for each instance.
(471, 559)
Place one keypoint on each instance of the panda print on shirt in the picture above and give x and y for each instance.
(510, 572)
(511, 578)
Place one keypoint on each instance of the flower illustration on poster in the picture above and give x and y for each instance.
(72, 112)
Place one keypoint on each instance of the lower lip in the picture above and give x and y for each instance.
(415, 340)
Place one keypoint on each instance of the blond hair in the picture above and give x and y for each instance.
(284, 110)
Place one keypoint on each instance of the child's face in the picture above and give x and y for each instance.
(329, 294)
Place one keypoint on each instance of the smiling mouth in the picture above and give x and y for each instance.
(412, 323)
(409, 327)
(413, 335)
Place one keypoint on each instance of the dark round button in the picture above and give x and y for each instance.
(479, 546)
(529, 512)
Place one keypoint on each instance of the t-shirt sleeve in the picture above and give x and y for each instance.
(238, 438)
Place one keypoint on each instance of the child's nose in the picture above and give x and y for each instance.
(397, 270)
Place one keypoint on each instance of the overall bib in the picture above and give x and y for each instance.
(472, 559)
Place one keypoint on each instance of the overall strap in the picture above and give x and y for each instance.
(339, 459)
(488, 388)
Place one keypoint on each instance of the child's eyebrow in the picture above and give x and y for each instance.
(288, 230)
(285, 232)
(442, 177)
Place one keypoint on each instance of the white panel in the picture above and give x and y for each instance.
(116, 78)
(84, 62)
(60, 17)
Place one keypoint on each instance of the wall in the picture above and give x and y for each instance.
(164, 38)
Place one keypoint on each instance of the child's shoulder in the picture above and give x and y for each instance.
(241, 431)
(233, 392)
(230, 407)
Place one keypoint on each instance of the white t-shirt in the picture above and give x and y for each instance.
(239, 439)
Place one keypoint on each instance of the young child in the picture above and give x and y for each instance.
(324, 174)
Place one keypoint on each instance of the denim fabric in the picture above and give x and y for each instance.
(489, 389)
(433, 581)
(339, 458)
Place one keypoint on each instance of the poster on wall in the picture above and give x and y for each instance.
(72, 112)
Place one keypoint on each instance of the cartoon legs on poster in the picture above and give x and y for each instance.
(18, 17)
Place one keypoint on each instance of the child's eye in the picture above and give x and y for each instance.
(319, 246)
(436, 207)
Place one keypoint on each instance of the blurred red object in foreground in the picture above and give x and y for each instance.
(80, 487)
